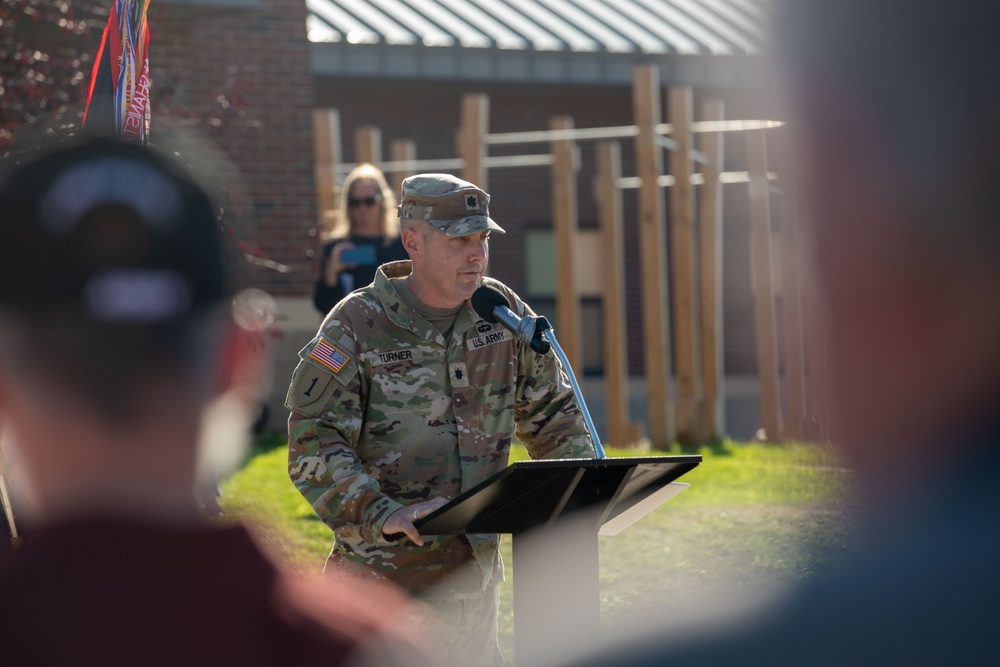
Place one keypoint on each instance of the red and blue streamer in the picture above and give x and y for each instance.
(118, 100)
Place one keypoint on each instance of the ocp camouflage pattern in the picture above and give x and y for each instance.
(452, 206)
(411, 416)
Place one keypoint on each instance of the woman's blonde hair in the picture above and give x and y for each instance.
(341, 227)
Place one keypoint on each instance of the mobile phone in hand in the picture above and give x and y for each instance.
(362, 255)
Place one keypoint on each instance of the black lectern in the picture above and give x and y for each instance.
(556, 580)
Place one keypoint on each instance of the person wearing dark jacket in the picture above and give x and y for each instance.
(364, 236)
(114, 354)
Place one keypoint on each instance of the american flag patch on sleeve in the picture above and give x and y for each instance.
(329, 355)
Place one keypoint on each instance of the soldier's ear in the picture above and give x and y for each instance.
(412, 241)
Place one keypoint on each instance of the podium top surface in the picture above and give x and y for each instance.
(534, 494)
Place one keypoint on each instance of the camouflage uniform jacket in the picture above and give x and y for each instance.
(376, 387)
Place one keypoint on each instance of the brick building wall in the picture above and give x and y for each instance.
(257, 58)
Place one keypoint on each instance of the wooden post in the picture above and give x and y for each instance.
(566, 229)
(621, 431)
(652, 239)
(712, 411)
(327, 155)
(368, 144)
(401, 150)
(816, 351)
(791, 296)
(763, 288)
(471, 137)
(682, 265)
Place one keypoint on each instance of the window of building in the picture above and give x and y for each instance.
(540, 278)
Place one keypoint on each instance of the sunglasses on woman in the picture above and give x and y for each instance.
(367, 201)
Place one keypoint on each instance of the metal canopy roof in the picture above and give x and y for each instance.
(688, 27)
(583, 41)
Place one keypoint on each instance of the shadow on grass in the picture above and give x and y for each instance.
(267, 440)
(712, 447)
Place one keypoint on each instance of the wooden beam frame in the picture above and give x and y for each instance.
(401, 150)
(791, 295)
(471, 137)
(565, 226)
(712, 415)
(763, 286)
(368, 144)
(622, 432)
(680, 102)
(326, 155)
(652, 237)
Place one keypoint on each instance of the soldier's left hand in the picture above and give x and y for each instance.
(401, 521)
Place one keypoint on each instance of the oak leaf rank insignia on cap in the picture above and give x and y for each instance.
(447, 203)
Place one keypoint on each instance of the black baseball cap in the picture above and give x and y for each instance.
(116, 232)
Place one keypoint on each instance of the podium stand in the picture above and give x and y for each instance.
(554, 510)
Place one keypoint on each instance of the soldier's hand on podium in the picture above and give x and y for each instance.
(401, 521)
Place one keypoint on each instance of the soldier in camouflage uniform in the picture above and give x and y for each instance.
(406, 398)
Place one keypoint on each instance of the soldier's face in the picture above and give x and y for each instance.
(447, 269)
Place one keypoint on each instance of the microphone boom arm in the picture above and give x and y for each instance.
(536, 333)
(527, 329)
(543, 330)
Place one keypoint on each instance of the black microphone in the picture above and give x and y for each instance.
(494, 307)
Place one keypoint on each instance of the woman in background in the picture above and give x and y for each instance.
(365, 235)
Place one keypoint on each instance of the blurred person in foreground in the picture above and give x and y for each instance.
(116, 334)
(896, 105)
(406, 398)
(365, 235)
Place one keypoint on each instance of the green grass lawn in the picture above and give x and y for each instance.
(756, 517)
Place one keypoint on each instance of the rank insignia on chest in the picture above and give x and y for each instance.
(459, 374)
(329, 355)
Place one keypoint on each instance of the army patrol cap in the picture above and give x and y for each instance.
(115, 232)
(452, 206)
